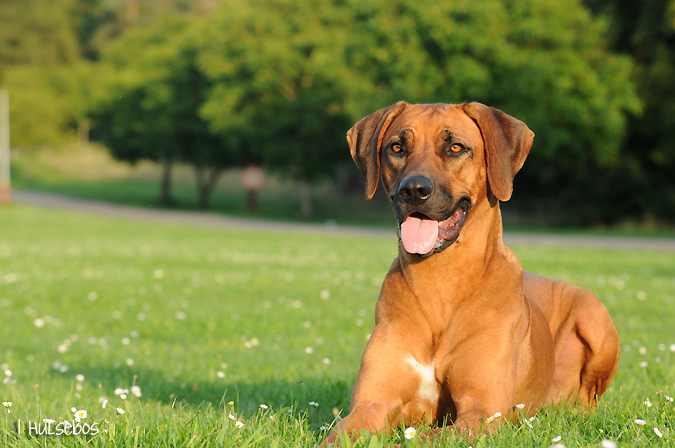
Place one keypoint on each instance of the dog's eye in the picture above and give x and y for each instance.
(456, 147)
(396, 147)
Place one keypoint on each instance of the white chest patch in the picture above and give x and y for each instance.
(428, 389)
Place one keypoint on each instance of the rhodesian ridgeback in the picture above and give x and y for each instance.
(462, 333)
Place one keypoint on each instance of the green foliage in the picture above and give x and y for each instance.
(151, 111)
(641, 182)
(300, 72)
(47, 103)
(36, 32)
(40, 67)
(279, 82)
(135, 112)
(545, 62)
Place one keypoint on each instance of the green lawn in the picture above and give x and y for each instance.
(199, 318)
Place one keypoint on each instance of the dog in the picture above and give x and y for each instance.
(462, 333)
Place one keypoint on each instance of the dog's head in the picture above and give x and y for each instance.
(436, 162)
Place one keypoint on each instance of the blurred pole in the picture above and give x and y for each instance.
(252, 201)
(5, 184)
(253, 179)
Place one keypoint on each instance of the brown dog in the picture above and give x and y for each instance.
(462, 333)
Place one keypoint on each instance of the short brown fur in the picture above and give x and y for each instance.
(464, 333)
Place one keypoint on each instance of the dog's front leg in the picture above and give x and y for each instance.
(396, 384)
(374, 416)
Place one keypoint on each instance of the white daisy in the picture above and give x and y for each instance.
(410, 433)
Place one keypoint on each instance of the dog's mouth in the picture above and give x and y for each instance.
(423, 235)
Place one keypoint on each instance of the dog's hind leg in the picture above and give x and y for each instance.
(587, 350)
(597, 331)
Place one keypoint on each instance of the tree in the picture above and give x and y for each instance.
(99, 23)
(279, 84)
(208, 152)
(301, 73)
(641, 184)
(36, 32)
(40, 67)
(546, 62)
(47, 103)
(133, 114)
(150, 108)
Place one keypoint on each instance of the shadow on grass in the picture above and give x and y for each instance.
(247, 394)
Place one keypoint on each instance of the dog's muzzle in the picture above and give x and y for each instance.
(420, 233)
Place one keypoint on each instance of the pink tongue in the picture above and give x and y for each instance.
(419, 235)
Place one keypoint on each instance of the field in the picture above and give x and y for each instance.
(211, 324)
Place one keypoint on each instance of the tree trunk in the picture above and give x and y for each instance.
(165, 186)
(306, 209)
(206, 183)
(83, 127)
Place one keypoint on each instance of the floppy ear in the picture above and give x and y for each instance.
(506, 140)
(365, 140)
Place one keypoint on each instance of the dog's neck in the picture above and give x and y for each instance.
(480, 243)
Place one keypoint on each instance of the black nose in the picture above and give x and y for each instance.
(415, 190)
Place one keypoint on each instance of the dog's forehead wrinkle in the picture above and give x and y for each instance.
(446, 134)
(407, 135)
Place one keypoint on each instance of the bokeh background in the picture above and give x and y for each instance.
(163, 102)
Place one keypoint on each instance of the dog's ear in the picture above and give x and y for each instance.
(365, 141)
(507, 142)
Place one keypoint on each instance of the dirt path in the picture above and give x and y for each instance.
(52, 200)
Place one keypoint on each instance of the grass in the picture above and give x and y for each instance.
(201, 318)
